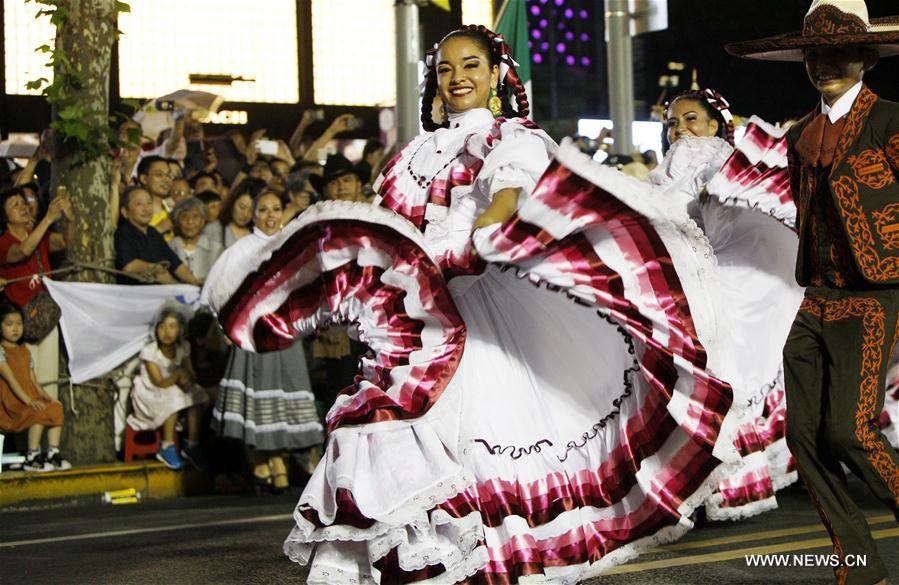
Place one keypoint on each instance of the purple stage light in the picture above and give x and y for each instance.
(585, 61)
(569, 36)
(560, 47)
(561, 26)
(543, 22)
(535, 10)
(544, 46)
(570, 60)
(530, 44)
(583, 14)
(585, 37)
(569, 13)
(536, 33)
(538, 58)
(560, 2)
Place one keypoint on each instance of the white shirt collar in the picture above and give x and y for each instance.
(469, 118)
(843, 105)
(460, 126)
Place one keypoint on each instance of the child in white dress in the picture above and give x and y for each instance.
(167, 386)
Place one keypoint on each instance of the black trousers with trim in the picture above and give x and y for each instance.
(835, 364)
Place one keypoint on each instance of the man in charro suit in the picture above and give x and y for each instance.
(844, 174)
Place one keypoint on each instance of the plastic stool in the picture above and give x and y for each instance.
(143, 443)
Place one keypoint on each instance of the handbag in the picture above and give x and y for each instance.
(41, 314)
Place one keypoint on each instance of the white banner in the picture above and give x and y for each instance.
(105, 324)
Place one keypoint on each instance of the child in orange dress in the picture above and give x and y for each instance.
(23, 403)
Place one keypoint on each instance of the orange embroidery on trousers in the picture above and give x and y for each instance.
(874, 321)
(840, 572)
(811, 305)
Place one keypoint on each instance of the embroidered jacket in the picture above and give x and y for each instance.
(864, 184)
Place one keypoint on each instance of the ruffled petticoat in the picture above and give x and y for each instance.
(545, 416)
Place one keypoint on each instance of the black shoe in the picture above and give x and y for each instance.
(58, 463)
(262, 485)
(37, 464)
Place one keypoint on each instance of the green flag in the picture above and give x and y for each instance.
(512, 23)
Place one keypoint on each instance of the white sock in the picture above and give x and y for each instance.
(32, 454)
(51, 451)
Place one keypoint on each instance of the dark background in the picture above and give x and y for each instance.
(697, 32)
(696, 35)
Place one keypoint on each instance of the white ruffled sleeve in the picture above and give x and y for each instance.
(517, 161)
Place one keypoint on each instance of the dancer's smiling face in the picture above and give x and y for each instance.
(834, 70)
(688, 117)
(464, 74)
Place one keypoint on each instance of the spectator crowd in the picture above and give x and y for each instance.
(178, 201)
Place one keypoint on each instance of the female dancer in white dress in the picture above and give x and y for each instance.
(740, 198)
(537, 405)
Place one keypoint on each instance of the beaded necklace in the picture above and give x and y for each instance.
(425, 182)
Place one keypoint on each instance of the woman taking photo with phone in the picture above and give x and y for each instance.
(25, 249)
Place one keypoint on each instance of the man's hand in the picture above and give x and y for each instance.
(162, 275)
(340, 124)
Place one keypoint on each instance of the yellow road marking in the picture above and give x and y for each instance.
(731, 555)
(763, 535)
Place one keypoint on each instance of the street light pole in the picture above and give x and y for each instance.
(621, 74)
(408, 50)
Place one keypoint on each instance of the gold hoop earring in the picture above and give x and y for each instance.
(495, 104)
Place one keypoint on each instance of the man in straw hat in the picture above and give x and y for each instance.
(844, 167)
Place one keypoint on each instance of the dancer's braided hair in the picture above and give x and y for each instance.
(715, 105)
(499, 53)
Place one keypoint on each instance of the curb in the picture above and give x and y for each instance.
(152, 479)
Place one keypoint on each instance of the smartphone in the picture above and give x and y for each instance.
(355, 123)
(318, 114)
(269, 147)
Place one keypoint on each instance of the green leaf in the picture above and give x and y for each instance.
(122, 7)
(44, 49)
(73, 112)
(37, 83)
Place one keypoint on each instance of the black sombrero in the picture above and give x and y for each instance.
(336, 166)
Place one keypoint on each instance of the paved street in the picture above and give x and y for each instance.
(237, 539)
